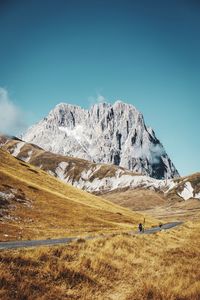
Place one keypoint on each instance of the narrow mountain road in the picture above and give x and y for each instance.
(36, 243)
(163, 227)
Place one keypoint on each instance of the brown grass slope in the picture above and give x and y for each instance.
(34, 204)
(137, 199)
(182, 211)
(162, 266)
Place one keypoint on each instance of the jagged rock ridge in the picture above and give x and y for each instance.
(114, 134)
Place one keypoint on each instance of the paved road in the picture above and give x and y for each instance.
(163, 227)
(36, 243)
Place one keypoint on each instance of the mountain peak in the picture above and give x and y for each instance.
(65, 106)
(105, 133)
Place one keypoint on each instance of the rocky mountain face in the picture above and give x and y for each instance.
(112, 134)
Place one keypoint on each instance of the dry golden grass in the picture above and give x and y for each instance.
(45, 207)
(136, 199)
(182, 211)
(161, 266)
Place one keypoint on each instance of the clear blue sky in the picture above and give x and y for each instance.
(143, 52)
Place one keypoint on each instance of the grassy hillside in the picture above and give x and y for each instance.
(182, 211)
(136, 199)
(162, 266)
(34, 204)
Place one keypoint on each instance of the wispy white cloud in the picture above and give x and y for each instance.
(100, 98)
(11, 117)
(97, 99)
(151, 151)
(156, 152)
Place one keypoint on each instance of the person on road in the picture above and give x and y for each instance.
(140, 227)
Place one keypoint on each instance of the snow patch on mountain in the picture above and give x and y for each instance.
(60, 171)
(197, 196)
(187, 192)
(87, 180)
(125, 181)
(86, 174)
(26, 159)
(17, 148)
